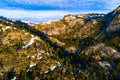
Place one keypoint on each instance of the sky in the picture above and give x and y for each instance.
(45, 10)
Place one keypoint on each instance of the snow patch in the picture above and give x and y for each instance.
(37, 38)
(39, 57)
(15, 28)
(39, 54)
(33, 57)
(26, 33)
(46, 71)
(7, 27)
(28, 70)
(24, 42)
(28, 57)
(47, 54)
(13, 78)
(30, 43)
(58, 64)
(53, 67)
(31, 65)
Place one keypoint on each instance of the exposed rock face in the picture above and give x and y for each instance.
(100, 50)
(81, 46)
(105, 65)
(114, 24)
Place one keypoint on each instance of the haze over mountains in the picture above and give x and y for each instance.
(75, 47)
(37, 16)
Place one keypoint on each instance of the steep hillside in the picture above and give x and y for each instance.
(76, 47)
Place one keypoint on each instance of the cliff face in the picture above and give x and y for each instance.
(114, 23)
(82, 46)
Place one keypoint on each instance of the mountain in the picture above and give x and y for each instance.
(76, 47)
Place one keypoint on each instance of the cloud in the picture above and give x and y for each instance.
(39, 15)
(54, 3)
(32, 15)
(58, 3)
(30, 9)
(111, 4)
(70, 4)
(64, 4)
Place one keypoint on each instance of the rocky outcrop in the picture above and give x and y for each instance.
(114, 24)
(100, 51)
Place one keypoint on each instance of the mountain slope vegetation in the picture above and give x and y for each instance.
(76, 47)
